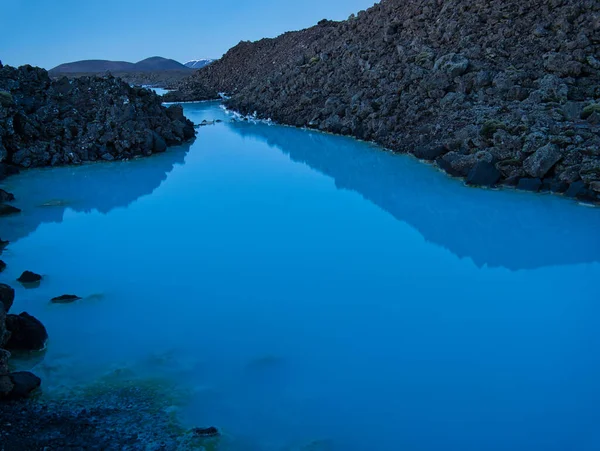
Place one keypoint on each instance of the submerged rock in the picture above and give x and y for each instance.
(24, 383)
(2, 265)
(6, 210)
(26, 333)
(65, 299)
(206, 432)
(6, 196)
(7, 295)
(29, 277)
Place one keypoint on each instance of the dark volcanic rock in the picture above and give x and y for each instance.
(2, 265)
(6, 210)
(24, 383)
(6, 196)
(517, 80)
(206, 432)
(7, 296)
(48, 123)
(528, 184)
(65, 299)
(26, 333)
(29, 277)
(483, 173)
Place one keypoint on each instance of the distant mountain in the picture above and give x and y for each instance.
(198, 64)
(153, 64)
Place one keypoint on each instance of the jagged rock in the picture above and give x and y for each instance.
(65, 299)
(484, 173)
(24, 383)
(6, 210)
(575, 189)
(6, 196)
(60, 122)
(412, 74)
(26, 333)
(452, 64)
(538, 164)
(530, 184)
(7, 296)
(429, 153)
(29, 277)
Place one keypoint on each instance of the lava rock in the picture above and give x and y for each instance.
(530, 184)
(6, 196)
(575, 189)
(3, 244)
(27, 333)
(24, 383)
(429, 153)
(558, 186)
(29, 277)
(65, 299)
(6, 210)
(2, 265)
(538, 164)
(483, 173)
(7, 296)
(206, 432)
(66, 122)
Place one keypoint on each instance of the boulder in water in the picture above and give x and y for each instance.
(29, 277)
(27, 333)
(206, 432)
(6, 210)
(6, 196)
(484, 173)
(24, 383)
(7, 295)
(65, 299)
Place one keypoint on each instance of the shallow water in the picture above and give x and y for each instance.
(313, 292)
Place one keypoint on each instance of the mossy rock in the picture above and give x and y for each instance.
(6, 99)
(490, 127)
(590, 109)
(314, 60)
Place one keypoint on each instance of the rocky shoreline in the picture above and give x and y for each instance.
(46, 122)
(498, 93)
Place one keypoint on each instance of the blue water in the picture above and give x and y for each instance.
(311, 292)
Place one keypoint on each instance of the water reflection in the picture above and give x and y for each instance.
(508, 229)
(45, 194)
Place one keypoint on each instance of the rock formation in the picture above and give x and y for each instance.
(501, 91)
(48, 123)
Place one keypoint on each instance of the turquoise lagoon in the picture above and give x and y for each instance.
(312, 292)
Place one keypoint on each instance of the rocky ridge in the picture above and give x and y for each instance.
(498, 92)
(46, 122)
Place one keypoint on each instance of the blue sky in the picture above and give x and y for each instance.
(47, 33)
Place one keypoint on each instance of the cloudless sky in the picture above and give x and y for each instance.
(50, 32)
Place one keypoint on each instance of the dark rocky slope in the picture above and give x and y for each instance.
(502, 91)
(48, 123)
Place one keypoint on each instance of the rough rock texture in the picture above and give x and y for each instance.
(512, 83)
(45, 122)
(27, 333)
(7, 297)
(95, 419)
